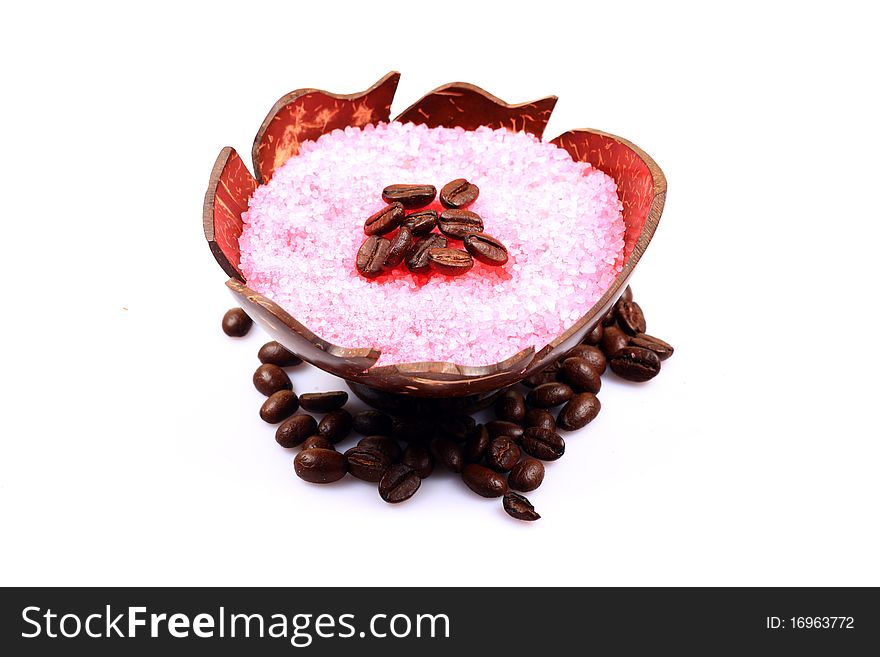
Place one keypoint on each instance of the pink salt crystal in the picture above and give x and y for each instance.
(561, 221)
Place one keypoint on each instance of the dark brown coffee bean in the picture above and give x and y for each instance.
(236, 323)
(486, 249)
(279, 406)
(275, 353)
(635, 364)
(399, 483)
(630, 317)
(385, 220)
(542, 444)
(401, 244)
(320, 466)
(411, 196)
(450, 262)
(456, 427)
(411, 428)
(663, 349)
(384, 444)
(323, 402)
(502, 454)
(318, 442)
(367, 463)
(372, 423)
(526, 475)
(417, 260)
(614, 340)
(594, 336)
(271, 378)
(578, 373)
(497, 428)
(510, 406)
(548, 395)
(610, 318)
(457, 224)
(593, 355)
(547, 375)
(484, 481)
(579, 411)
(540, 417)
(419, 459)
(336, 425)
(520, 508)
(421, 223)
(448, 454)
(295, 429)
(627, 294)
(476, 445)
(458, 194)
(371, 256)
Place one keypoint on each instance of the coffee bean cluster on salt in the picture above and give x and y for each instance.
(415, 241)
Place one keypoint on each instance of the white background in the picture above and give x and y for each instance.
(131, 448)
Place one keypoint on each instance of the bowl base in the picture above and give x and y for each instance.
(397, 404)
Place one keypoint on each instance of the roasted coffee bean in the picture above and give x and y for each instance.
(271, 378)
(279, 406)
(594, 337)
(484, 481)
(419, 459)
(630, 317)
(540, 417)
(593, 355)
(610, 318)
(411, 428)
(385, 220)
(486, 249)
(372, 423)
(663, 349)
(476, 445)
(543, 444)
(411, 196)
(399, 483)
(384, 444)
(323, 402)
(367, 463)
(371, 256)
(578, 373)
(336, 425)
(421, 223)
(320, 466)
(614, 340)
(456, 427)
(448, 454)
(458, 194)
(497, 428)
(295, 429)
(510, 406)
(275, 353)
(627, 294)
(579, 411)
(236, 323)
(547, 375)
(417, 260)
(502, 454)
(526, 475)
(520, 508)
(548, 395)
(318, 442)
(456, 224)
(450, 262)
(401, 244)
(635, 364)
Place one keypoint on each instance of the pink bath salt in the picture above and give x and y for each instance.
(560, 220)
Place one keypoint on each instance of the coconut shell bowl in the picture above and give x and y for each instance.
(417, 387)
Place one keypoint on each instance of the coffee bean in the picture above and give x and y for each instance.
(627, 294)
(594, 337)
(421, 223)
(610, 318)
(484, 481)
(401, 244)
(384, 444)
(450, 262)
(579, 411)
(543, 444)
(411, 428)
(456, 224)
(476, 445)
(547, 395)
(663, 349)
(614, 340)
(318, 442)
(510, 406)
(458, 194)
(320, 466)
(630, 317)
(295, 429)
(526, 475)
(520, 508)
(419, 459)
(502, 454)
(417, 260)
(371, 256)
(635, 364)
(385, 220)
(372, 423)
(411, 196)
(323, 402)
(367, 463)
(497, 428)
(279, 406)
(593, 355)
(275, 353)
(448, 454)
(456, 427)
(399, 483)
(579, 374)
(486, 249)
(336, 425)
(540, 417)
(547, 375)
(271, 378)
(236, 323)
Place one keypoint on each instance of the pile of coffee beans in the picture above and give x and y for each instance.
(502, 458)
(403, 232)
